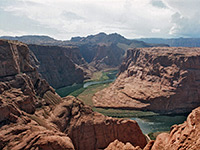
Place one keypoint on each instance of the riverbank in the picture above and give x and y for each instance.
(98, 78)
(150, 123)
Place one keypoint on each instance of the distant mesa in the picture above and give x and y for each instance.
(174, 42)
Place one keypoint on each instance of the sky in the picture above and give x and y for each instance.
(63, 19)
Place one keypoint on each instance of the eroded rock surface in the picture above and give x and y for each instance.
(61, 66)
(165, 80)
(91, 130)
(117, 145)
(21, 94)
(34, 117)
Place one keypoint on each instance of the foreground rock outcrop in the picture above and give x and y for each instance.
(91, 130)
(21, 93)
(165, 80)
(117, 145)
(34, 117)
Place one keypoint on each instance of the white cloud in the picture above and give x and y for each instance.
(132, 18)
(155, 30)
(185, 20)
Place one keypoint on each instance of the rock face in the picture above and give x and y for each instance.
(21, 93)
(117, 145)
(34, 117)
(105, 51)
(61, 66)
(164, 80)
(107, 56)
(184, 136)
(91, 130)
(29, 136)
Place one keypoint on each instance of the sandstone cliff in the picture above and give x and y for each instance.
(21, 93)
(34, 117)
(61, 66)
(165, 80)
(91, 130)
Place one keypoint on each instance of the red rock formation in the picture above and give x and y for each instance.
(184, 136)
(34, 117)
(165, 80)
(91, 130)
(29, 136)
(117, 145)
(61, 66)
(21, 92)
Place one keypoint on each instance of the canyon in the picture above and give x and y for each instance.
(34, 116)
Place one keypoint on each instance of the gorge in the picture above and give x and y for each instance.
(162, 80)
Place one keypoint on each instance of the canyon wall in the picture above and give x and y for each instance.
(61, 66)
(165, 80)
(107, 56)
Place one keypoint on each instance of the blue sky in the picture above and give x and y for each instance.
(63, 19)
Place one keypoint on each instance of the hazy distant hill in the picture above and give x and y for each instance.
(175, 42)
(111, 38)
(106, 49)
(33, 39)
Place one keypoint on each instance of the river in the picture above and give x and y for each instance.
(159, 123)
(85, 85)
(147, 124)
(154, 123)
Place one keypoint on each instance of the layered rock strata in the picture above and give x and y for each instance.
(165, 80)
(61, 66)
(34, 117)
(91, 130)
(107, 56)
(117, 145)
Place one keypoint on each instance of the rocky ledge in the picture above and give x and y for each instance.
(165, 80)
(34, 117)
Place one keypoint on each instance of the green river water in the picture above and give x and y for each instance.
(148, 124)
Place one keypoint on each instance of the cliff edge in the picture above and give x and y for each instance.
(164, 80)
